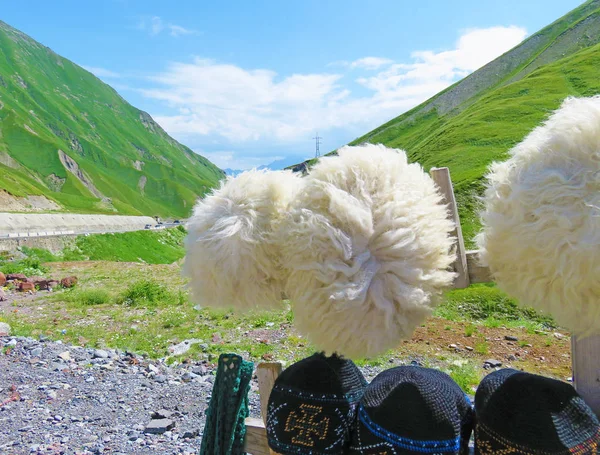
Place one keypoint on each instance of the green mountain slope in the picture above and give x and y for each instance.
(478, 119)
(67, 136)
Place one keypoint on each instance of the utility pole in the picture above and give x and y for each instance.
(317, 139)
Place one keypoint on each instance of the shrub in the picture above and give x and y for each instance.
(145, 292)
(92, 297)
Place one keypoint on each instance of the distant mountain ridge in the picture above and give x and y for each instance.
(479, 118)
(70, 138)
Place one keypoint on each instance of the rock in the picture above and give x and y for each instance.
(216, 338)
(159, 426)
(183, 347)
(468, 348)
(68, 282)
(25, 286)
(40, 283)
(160, 378)
(189, 434)
(16, 277)
(100, 354)
(200, 370)
(12, 343)
(511, 338)
(4, 329)
(2, 295)
(511, 358)
(52, 284)
(558, 336)
(2, 279)
(187, 376)
(493, 363)
(36, 352)
(162, 414)
(66, 356)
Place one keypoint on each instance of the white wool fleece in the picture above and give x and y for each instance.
(541, 222)
(231, 258)
(367, 245)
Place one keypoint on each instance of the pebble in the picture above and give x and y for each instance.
(493, 363)
(511, 338)
(66, 356)
(159, 426)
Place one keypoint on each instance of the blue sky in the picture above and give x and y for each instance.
(245, 83)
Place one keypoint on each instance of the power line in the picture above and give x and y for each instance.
(317, 139)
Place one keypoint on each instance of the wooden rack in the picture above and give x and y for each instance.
(585, 353)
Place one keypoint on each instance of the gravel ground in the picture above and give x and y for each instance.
(58, 399)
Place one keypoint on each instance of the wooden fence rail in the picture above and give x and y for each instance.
(585, 352)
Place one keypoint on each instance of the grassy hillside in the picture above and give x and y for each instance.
(68, 136)
(478, 119)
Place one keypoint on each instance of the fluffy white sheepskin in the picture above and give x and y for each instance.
(231, 257)
(541, 222)
(367, 245)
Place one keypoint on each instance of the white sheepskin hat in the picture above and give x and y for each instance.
(541, 222)
(367, 245)
(231, 257)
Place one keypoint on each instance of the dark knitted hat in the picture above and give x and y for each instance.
(312, 406)
(413, 410)
(523, 413)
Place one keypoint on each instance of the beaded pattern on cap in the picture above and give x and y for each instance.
(312, 407)
(412, 409)
(523, 413)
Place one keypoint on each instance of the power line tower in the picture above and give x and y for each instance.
(317, 139)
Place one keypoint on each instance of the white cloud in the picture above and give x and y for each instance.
(235, 106)
(371, 63)
(101, 72)
(156, 25)
(232, 160)
(177, 30)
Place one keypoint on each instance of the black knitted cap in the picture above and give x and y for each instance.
(410, 410)
(312, 406)
(523, 413)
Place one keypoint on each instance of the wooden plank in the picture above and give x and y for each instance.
(441, 176)
(477, 273)
(585, 355)
(266, 372)
(256, 438)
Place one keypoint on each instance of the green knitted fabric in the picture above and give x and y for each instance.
(225, 429)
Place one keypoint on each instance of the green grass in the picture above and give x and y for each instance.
(75, 112)
(465, 374)
(27, 266)
(146, 292)
(88, 297)
(153, 247)
(487, 304)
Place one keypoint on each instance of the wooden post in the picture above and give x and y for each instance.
(441, 176)
(256, 435)
(585, 356)
(267, 372)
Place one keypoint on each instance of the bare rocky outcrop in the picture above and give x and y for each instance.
(142, 183)
(20, 82)
(71, 165)
(74, 143)
(10, 203)
(8, 160)
(54, 182)
(28, 128)
(138, 165)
